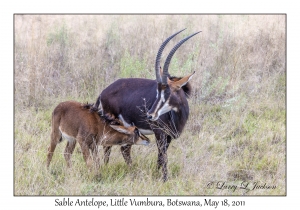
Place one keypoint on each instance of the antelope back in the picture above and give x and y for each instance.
(73, 117)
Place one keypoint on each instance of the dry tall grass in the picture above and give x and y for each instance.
(236, 130)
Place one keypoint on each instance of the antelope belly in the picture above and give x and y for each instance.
(146, 132)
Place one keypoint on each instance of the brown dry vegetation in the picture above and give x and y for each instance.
(236, 130)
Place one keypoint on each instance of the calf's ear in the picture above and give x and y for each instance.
(120, 129)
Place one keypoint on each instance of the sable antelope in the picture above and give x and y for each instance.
(157, 107)
(75, 122)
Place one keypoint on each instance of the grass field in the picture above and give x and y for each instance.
(236, 132)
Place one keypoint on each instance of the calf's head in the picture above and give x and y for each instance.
(132, 135)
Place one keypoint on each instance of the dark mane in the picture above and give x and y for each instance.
(105, 118)
(187, 88)
(88, 106)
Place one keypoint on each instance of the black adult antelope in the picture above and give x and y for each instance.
(157, 107)
(76, 123)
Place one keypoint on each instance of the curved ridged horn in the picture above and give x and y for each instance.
(158, 56)
(167, 62)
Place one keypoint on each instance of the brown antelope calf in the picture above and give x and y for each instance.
(76, 122)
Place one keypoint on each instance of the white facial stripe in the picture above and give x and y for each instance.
(175, 109)
(162, 96)
(156, 93)
(157, 106)
(123, 121)
(164, 109)
(161, 100)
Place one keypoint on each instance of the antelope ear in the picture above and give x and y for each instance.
(178, 84)
(120, 129)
